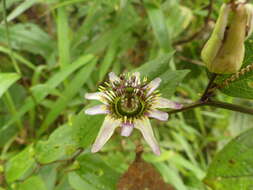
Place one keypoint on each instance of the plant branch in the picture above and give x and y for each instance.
(214, 103)
(208, 93)
(189, 107)
(210, 85)
(229, 106)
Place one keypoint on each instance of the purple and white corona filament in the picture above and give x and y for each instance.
(129, 102)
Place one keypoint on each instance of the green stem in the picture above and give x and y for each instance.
(13, 60)
(207, 94)
(188, 107)
(218, 104)
(12, 108)
(229, 106)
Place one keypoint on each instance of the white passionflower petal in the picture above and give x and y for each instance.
(160, 115)
(165, 103)
(145, 127)
(105, 133)
(99, 109)
(113, 77)
(126, 129)
(153, 85)
(96, 96)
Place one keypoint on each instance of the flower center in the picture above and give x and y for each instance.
(129, 105)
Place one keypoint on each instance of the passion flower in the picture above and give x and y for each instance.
(129, 101)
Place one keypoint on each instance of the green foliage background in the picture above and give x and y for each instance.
(54, 51)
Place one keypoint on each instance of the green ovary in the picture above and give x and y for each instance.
(129, 106)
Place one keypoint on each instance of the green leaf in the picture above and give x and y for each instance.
(60, 145)
(86, 127)
(42, 90)
(31, 183)
(171, 175)
(232, 167)
(160, 68)
(65, 140)
(156, 67)
(22, 7)
(94, 15)
(49, 175)
(63, 184)
(70, 91)
(170, 80)
(63, 37)
(178, 17)
(18, 57)
(240, 122)
(9, 3)
(6, 80)
(29, 37)
(159, 25)
(20, 164)
(108, 59)
(78, 183)
(124, 21)
(243, 86)
(93, 173)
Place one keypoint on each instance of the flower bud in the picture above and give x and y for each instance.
(224, 51)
